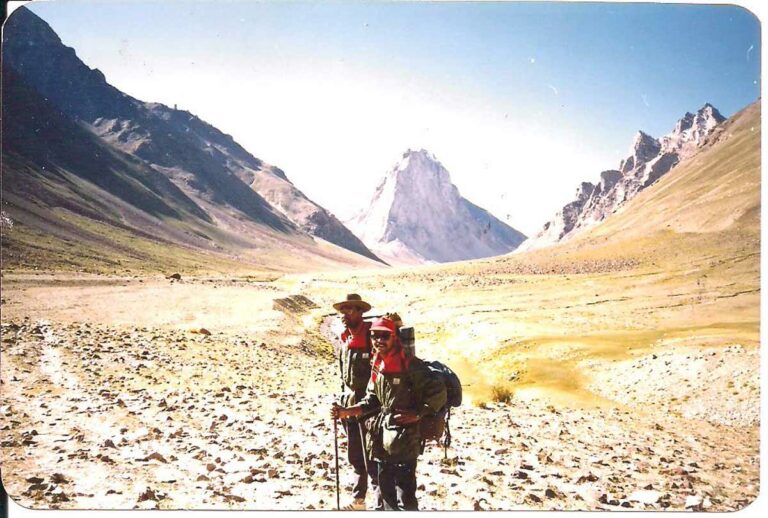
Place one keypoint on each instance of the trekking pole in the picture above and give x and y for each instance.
(336, 446)
(362, 445)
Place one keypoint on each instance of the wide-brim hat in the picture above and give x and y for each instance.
(353, 299)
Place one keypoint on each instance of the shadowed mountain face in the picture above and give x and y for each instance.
(417, 215)
(70, 195)
(208, 165)
(37, 134)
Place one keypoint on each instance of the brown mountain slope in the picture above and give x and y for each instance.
(712, 195)
(78, 204)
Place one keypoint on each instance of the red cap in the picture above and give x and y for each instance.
(384, 324)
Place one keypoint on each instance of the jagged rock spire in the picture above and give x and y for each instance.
(649, 160)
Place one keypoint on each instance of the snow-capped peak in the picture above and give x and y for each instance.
(416, 212)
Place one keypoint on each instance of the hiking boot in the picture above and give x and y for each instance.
(358, 504)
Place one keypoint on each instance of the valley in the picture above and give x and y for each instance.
(154, 354)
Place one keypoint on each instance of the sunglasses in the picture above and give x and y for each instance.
(380, 335)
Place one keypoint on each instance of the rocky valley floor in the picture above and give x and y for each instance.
(175, 405)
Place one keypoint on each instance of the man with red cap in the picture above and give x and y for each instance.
(402, 390)
(355, 369)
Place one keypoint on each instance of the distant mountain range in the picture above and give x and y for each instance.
(649, 160)
(63, 119)
(79, 154)
(417, 215)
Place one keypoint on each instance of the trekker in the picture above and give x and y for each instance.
(355, 370)
(403, 390)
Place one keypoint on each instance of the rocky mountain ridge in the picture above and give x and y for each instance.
(206, 164)
(417, 215)
(649, 159)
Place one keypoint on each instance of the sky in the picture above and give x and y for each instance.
(519, 101)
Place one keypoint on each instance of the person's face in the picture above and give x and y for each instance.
(351, 315)
(383, 341)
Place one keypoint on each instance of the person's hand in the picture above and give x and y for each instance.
(339, 412)
(405, 417)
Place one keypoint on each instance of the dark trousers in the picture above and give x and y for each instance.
(397, 487)
(356, 456)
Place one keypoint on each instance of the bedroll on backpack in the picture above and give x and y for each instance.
(451, 381)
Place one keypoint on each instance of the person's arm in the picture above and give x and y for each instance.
(339, 412)
(368, 404)
(431, 394)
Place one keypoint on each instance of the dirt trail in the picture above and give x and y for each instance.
(103, 413)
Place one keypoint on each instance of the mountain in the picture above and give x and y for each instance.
(58, 150)
(96, 180)
(712, 197)
(649, 159)
(417, 215)
(272, 184)
(206, 164)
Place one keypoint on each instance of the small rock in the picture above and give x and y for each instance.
(58, 478)
(60, 497)
(148, 494)
(645, 496)
(587, 478)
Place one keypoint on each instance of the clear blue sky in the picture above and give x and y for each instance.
(521, 102)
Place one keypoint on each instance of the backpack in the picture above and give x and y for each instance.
(434, 426)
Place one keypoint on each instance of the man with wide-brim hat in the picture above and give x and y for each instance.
(355, 371)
